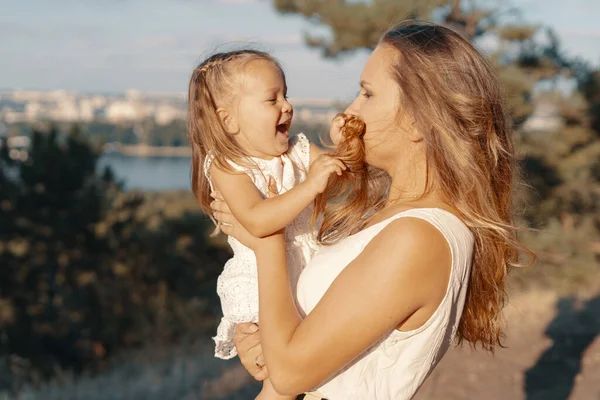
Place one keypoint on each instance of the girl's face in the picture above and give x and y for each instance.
(262, 113)
(378, 105)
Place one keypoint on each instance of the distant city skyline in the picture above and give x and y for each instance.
(124, 107)
(152, 46)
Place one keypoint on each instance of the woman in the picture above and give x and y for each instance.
(381, 306)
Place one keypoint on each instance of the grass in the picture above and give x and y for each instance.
(568, 257)
(184, 372)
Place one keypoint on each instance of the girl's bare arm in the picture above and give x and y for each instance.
(263, 217)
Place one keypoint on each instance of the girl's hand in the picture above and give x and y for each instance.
(335, 133)
(320, 171)
(247, 343)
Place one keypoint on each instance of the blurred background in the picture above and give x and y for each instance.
(107, 272)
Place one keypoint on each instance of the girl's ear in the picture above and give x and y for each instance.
(228, 121)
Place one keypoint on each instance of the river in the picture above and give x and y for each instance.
(149, 173)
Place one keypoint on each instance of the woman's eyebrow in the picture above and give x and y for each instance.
(364, 83)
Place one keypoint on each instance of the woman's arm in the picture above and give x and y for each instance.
(402, 272)
(262, 217)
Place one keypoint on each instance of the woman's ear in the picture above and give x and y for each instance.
(415, 136)
(414, 133)
(228, 121)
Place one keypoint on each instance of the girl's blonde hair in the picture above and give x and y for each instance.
(456, 99)
(213, 84)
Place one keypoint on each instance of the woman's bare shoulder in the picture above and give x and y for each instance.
(414, 247)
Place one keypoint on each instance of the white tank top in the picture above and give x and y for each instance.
(394, 367)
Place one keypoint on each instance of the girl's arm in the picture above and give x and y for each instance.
(262, 217)
(403, 272)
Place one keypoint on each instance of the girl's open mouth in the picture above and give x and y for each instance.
(283, 129)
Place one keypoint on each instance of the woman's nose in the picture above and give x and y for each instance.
(352, 109)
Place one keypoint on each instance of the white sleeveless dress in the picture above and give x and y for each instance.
(237, 286)
(395, 367)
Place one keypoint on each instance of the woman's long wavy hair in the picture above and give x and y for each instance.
(456, 99)
(213, 84)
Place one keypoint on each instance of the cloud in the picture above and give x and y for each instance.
(237, 1)
(488, 43)
(14, 29)
(290, 39)
(284, 40)
(580, 33)
(293, 42)
(25, 31)
(158, 41)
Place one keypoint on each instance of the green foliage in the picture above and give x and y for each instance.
(353, 24)
(88, 269)
(356, 25)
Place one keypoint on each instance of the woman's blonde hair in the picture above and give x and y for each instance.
(348, 198)
(456, 99)
(213, 84)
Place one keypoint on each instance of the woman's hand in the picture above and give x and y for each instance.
(247, 343)
(232, 227)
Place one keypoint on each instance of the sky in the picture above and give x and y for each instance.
(153, 45)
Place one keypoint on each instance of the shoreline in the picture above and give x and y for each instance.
(141, 150)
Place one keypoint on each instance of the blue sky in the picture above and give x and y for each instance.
(153, 45)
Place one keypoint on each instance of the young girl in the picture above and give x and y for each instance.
(238, 125)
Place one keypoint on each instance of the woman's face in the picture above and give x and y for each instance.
(378, 105)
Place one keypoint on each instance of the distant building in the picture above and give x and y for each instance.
(131, 106)
(18, 146)
(545, 118)
(126, 110)
(166, 113)
(86, 110)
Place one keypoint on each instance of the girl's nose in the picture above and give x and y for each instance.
(287, 107)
